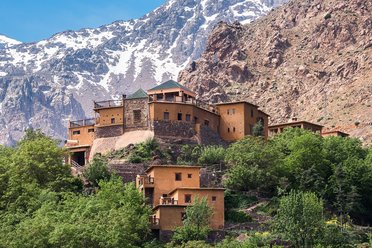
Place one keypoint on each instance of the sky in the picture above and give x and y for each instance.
(34, 20)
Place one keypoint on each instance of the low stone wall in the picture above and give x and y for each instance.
(173, 128)
(109, 131)
(126, 170)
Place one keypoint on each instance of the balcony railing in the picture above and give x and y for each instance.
(82, 123)
(146, 181)
(108, 104)
(191, 101)
(168, 201)
(154, 222)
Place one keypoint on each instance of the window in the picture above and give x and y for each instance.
(233, 111)
(112, 120)
(187, 198)
(165, 195)
(166, 116)
(251, 112)
(183, 216)
(228, 111)
(179, 116)
(178, 176)
(189, 175)
(76, 132)
(228, 130)
(188, 117)
(206, 122)
(234, 129)
(91, 130)
(137, 116)
(214, 198)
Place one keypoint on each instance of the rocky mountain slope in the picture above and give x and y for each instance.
(43, 84)
(309, 59)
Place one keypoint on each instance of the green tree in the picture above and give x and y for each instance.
(300, 218)
(253, 164)
(258, 129)
(196, 224)
(211, 155)
(97, 170)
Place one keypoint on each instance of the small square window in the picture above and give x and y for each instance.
(187, 198)
(178, 177)
(188, 117)
(234, 129)
(179, 116)
(91, 130)
(189, 175)
(214, 198)
(206, 122)
(76, 132)
(112, 120)
(228, 111)
(166, 116)
(165, 195)
(228, 130)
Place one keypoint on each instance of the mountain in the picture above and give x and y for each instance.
(6, 42)
(44, 84)
(309, 59)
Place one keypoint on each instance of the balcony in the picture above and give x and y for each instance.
(82, 123)
(108, 104)
(145, 181)
(154, 222)
(189, 101)
(168, 201)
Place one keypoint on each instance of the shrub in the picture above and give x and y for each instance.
(144, 151)
(237, 216)
(212, 155)
(97, 170)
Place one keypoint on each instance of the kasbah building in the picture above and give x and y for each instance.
(168, 111)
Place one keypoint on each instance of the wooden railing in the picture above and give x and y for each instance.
(146, 180)
(197, 103)
(83, 123)
(168, 201)
(108, 104)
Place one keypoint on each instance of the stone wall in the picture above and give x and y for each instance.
(109, 131)
(208, 137)
(131, 105)
(173, 128)
(127, 171)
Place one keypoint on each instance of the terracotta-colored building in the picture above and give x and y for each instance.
(169, 110)
(279, 128)
(170, 189)
(335, 133)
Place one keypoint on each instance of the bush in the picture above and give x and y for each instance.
(211, 155)
(235, 199)
(189, 154)
(97, 170)
(144, 151)
(237, 216)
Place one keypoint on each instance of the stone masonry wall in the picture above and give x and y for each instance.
(109, 131)
(208, 137)
(130, 105)
(173, 128)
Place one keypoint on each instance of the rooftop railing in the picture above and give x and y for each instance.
(146, 180)
(108, 104)
(83, 123)
(191, 101)
(168, 201)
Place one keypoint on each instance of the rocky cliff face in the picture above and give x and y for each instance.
(43, 84)
(309, 59)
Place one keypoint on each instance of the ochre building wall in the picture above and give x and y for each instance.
(165, 181)
(105, 115)
(85, 137)
(217, 220)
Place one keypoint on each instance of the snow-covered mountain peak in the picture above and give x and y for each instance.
(6, 42)
(58, 78)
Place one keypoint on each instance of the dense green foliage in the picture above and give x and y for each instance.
(97, 170)
(337, 169)
(196, 223)
(258, 129)
(300, 218)
(211, 155)
(42, 205)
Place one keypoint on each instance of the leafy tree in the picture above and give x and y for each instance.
(253, 164)
(189, 154)
(300, 218)
(258, 129)
(97, 170)
(196, 224)
(211, 155)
